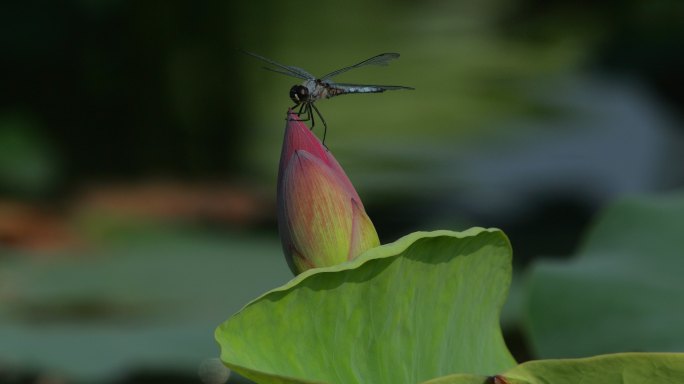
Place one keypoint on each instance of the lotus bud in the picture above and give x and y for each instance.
(321, 219)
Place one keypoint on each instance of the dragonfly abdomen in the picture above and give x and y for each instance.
(336, 91)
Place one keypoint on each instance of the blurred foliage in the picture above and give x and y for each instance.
(28, 164)
(126, 88)
(147, 305)
(622, 292)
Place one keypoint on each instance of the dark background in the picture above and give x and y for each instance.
(134, 130)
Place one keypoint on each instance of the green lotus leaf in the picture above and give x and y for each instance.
(624, 290)
(462, 378)
(425, 306)
(621, 368)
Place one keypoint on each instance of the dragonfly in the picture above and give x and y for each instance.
(306, 94)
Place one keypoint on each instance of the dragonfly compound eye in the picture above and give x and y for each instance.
(299, 94)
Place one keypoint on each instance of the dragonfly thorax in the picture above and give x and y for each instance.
(299, 94)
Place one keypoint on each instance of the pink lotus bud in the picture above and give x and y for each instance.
(321, 219)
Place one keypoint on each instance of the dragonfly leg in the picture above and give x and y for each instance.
(303, 110)
(313, 120)
(301, 106)
(325, 125)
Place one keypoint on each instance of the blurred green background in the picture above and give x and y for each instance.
(139, 150)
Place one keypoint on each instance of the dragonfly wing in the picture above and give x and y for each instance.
(343, 89)
(286, 73)
(302, 71)
(381, 59)
(285, 69)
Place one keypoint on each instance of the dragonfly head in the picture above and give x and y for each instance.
(299, 94)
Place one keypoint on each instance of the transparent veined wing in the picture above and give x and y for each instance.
(343, 89)
(381, 59)
(286, 70)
